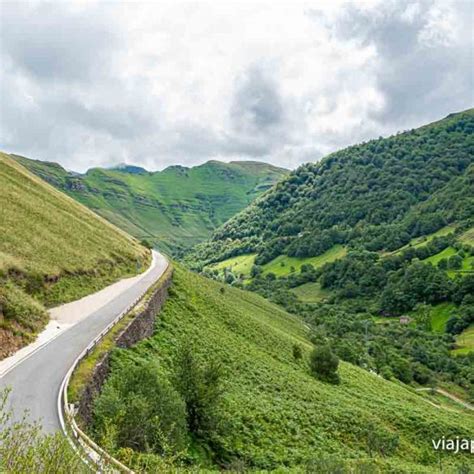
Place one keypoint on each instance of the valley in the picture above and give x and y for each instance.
(236, 237)
(300, 332)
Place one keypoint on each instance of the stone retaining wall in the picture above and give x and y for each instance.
(140, 327)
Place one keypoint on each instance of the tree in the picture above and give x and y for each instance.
(324, 364)
(443, 264)
(455, 262)
(255, 271)
(401, 369)
(200, 385)
(25, 448)
(229, 278)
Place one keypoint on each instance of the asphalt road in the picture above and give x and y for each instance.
(35, 382)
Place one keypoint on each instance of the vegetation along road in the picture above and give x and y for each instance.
(36, 380)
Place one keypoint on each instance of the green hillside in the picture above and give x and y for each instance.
(174, 208)
(52, 250)
(271, 412)
(377, 195)
(379, 232)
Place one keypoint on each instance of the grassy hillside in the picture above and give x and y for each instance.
(377, 195)
(282, 265)
(384, 229)
(465, 342)
(174, 208)
(52, 250)
(273, 413)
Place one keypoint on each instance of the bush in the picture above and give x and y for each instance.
(146, 243)
(401, 369)
(297, 352)
(139, 409)
(380, 441)
(324, 364)
(23, 447)
(255, 271)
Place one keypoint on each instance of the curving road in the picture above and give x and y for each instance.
(36, 380)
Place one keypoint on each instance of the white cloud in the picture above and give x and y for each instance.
(91, 83)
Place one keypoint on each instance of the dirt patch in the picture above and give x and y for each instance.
(9, 343)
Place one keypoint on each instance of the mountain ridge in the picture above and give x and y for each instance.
(173, 208)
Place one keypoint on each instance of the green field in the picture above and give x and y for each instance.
(468, 237)
(52, 250)
(465, 341)
(310, 292)
(241, 264)
(274, 413)
(424, 239)
(440, 315)
(174, 208)
(467, 263)
(282, 265)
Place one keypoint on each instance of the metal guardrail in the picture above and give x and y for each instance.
(92, 454)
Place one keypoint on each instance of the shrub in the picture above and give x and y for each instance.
(324, 364)
(146, 243)
(23, 447)
(139, 409)
(297, 352)
(255, 271)
(380, 441)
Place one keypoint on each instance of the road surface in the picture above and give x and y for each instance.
(36, 380)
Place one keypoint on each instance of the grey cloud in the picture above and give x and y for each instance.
(52, 43)
(420, 82)
(63, 99)
(257, 105)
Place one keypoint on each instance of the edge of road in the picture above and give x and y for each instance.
(91, 452)
(26, 352)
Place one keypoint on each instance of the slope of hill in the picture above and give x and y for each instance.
(174, 208)
(377, 233)
(271, 412)
(367, 196)
(52, 250)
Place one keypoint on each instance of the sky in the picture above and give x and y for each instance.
(155, 84)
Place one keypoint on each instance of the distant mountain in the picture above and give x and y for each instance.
(174, 208)
(125, 168)
(377, 195)
(52, 250)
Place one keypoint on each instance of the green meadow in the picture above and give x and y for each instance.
(465, 341)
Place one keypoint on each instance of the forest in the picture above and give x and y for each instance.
(375, 196)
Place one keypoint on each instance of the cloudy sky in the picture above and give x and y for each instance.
(99, 83)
